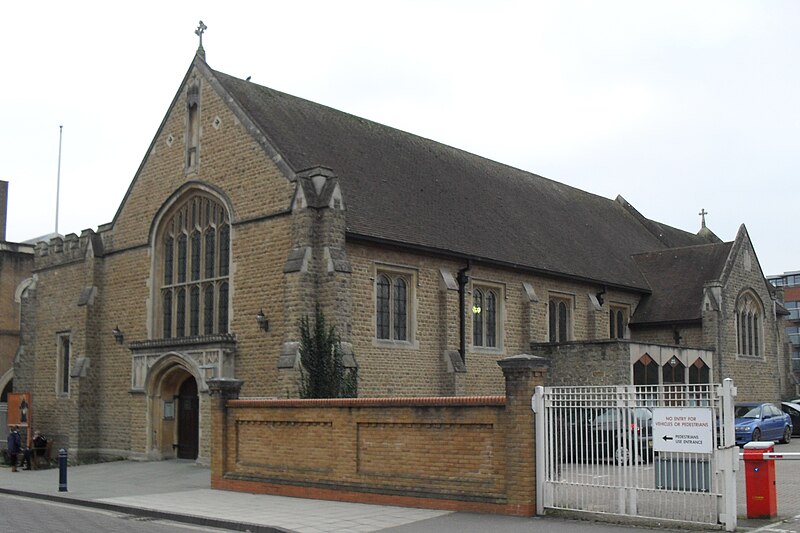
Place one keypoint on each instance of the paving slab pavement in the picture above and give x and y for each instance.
(179, 490)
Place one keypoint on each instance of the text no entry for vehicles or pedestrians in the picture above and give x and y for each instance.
(682, 429)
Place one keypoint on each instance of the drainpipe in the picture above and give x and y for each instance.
(462, 280)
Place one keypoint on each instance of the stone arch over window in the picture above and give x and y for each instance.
(191, 266)
(749, 324)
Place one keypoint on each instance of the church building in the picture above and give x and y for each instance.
(251, 208)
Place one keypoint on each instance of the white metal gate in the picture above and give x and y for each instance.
(595, 452)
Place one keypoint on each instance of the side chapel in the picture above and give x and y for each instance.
(251, 207)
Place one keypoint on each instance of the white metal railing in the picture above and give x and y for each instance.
(596, 453)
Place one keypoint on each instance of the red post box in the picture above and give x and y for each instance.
(759, 476)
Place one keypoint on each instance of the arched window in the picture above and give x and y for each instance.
(195, 254)
(617, 322)
(400, 301)
(382, 307)
(748, 324)
(391, 307)
(490, 321)
(484, 317)
(559, 319)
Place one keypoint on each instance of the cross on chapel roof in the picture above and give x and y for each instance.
(703, 214)
(201, 28)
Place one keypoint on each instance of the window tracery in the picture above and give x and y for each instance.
(197, 229)
(749, 332)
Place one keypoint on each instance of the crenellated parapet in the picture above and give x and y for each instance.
(68, 249)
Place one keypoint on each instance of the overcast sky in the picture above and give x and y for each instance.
(676, 106)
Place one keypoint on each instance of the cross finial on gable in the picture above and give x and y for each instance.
(703, 214)
(199, 32)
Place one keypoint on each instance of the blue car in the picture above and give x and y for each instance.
(761, 421)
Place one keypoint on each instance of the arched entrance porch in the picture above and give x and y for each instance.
(158, 370)
(173, 410)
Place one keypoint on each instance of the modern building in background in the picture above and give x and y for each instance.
(789, 283)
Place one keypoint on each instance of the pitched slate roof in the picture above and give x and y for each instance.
(676, 277)
(405, 189)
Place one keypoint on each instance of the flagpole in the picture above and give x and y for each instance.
(58, 179)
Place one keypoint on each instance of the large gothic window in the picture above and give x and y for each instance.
(749, 327)
(194, 251)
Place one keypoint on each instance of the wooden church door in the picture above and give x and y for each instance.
(188, 414)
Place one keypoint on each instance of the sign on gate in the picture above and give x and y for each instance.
(683, 429)
(612, 469)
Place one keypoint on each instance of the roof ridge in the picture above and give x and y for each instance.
(688, 247)
(416, 136)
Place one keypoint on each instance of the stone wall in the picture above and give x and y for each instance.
(66, 279)
(586, 363)
(762, 377)
(610, 362)
(419, 367)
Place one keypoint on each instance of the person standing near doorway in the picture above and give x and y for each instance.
(14, 443)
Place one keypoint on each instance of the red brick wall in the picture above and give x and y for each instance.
(462, 453)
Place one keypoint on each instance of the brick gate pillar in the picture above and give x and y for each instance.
(220, 391)
(523, 374)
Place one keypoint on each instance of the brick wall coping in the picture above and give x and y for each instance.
(426, 401)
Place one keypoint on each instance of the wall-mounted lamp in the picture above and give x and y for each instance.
(263, 323)
(117, 335)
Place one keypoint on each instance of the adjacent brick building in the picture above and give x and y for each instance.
(433, 263)
(16, 264)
